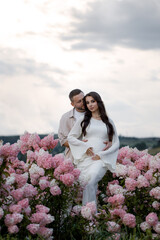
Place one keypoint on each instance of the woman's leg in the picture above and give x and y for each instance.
(96, 172)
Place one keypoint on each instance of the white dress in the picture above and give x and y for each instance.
(93, 170)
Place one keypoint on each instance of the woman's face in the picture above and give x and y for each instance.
(91, 104)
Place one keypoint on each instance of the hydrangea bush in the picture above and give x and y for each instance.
(37, 195)
(41, 197)
(130, 198)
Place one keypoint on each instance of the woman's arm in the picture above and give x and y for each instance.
(109, 156)
(77, 146)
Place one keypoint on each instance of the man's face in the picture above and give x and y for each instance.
(77, 102)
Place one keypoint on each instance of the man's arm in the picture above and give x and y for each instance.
(63, 131)
(108, 145)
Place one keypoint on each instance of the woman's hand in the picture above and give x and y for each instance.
(90, 152)
(96, 157)
(108, 145)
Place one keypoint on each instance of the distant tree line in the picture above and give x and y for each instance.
(139, 143)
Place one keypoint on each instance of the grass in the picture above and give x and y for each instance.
(154, 151)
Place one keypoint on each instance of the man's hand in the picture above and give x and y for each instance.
(95, 157)
(108, 145)
(66, 144)
(90, 152)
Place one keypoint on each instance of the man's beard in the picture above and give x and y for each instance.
(81, 109)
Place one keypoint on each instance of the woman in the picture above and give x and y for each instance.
(87, 139)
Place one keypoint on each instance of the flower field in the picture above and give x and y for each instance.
(41, 197)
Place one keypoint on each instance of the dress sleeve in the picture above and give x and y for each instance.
(109, 156)
(77, 146)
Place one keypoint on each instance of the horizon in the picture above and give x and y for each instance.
(17, 135)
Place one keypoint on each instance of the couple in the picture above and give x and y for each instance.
(90, 138)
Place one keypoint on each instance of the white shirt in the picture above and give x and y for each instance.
(77, 114)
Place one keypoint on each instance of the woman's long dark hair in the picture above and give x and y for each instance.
(102, 111)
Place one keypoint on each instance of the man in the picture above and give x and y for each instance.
(69, 118)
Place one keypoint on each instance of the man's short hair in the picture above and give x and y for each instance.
(74, 93)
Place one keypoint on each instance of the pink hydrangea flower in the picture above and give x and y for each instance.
(86, 212)
(57, 160)
(144, 226)
(67, 166)
(117, 199)
(34, 181)
(123, 152)
(76, 173)
(33, 228)
(36, 171)
(13, 229)
(113, 226)
(156, 227)
(31, 157)
(57, 172)
(142, 162)
(117, 212)
(155, 192)
(48, 142)
(17, 217)
(15, 208)
(42, 208)
(9, 150)
(48, 218)
(44, 159)
(149, 174)
(53, 182)
(67, 179)
(37, 217)
(130, 184)
(21, 179)
(126, 161)
(133, 172)
(44, 183)
(27, 210)
(13, 219)
(29, 141)
(11, 179)
(55, 190)
(142, 182)
(152, 219)
(156, 205)
(45, 232)
(129, 220)
(121, 170)
(115, 189)
(76, 210)
(9, 221)
(92, 206)
(154, 163)
(24, 203)
(17, 194)
(29, 191)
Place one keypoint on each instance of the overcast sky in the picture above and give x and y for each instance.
(49, 47)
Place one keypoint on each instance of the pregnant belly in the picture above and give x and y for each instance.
(97, 144)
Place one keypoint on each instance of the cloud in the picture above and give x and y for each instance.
(27, 103)
(129, 23)
(15, 63)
